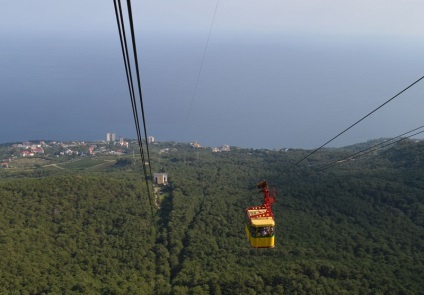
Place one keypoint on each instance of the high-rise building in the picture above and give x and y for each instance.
(150, 139)
(110, 137)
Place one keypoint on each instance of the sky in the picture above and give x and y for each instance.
(275, 74)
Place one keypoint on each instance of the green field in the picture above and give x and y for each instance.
(88, 164)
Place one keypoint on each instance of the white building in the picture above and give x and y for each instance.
(150, 139)
(160, 178)
(224, 148)
(110, 137)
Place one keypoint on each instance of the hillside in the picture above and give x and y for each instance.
(357, 227)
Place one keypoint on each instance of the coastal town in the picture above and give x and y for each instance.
(71, 150)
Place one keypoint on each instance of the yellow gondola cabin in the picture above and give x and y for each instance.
(260, 224)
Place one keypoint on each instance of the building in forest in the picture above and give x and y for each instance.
(161, 178)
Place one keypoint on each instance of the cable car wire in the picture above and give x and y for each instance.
(128, 71)
(354, 124)
(200, 70)
(371, 149)
(140, 96)
(138, 80)
(124, 47)
(122, 35)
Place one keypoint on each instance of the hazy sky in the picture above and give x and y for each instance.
(276, 73)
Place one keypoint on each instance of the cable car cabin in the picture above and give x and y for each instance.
(260, 224)
(260, 230)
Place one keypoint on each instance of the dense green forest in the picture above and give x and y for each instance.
(354, 228)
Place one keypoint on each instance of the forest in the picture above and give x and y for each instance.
(352, 228)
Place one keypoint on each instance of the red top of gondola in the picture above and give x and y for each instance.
(265, 209)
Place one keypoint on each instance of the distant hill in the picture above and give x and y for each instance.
(407, 154)
(365, 145)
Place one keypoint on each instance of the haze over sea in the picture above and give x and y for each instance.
(277, 85)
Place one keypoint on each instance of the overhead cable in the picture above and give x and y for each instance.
(200, 70)
(354, 124)
(127, 63)
(128, 71)
(372, 148)
(138, 81)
